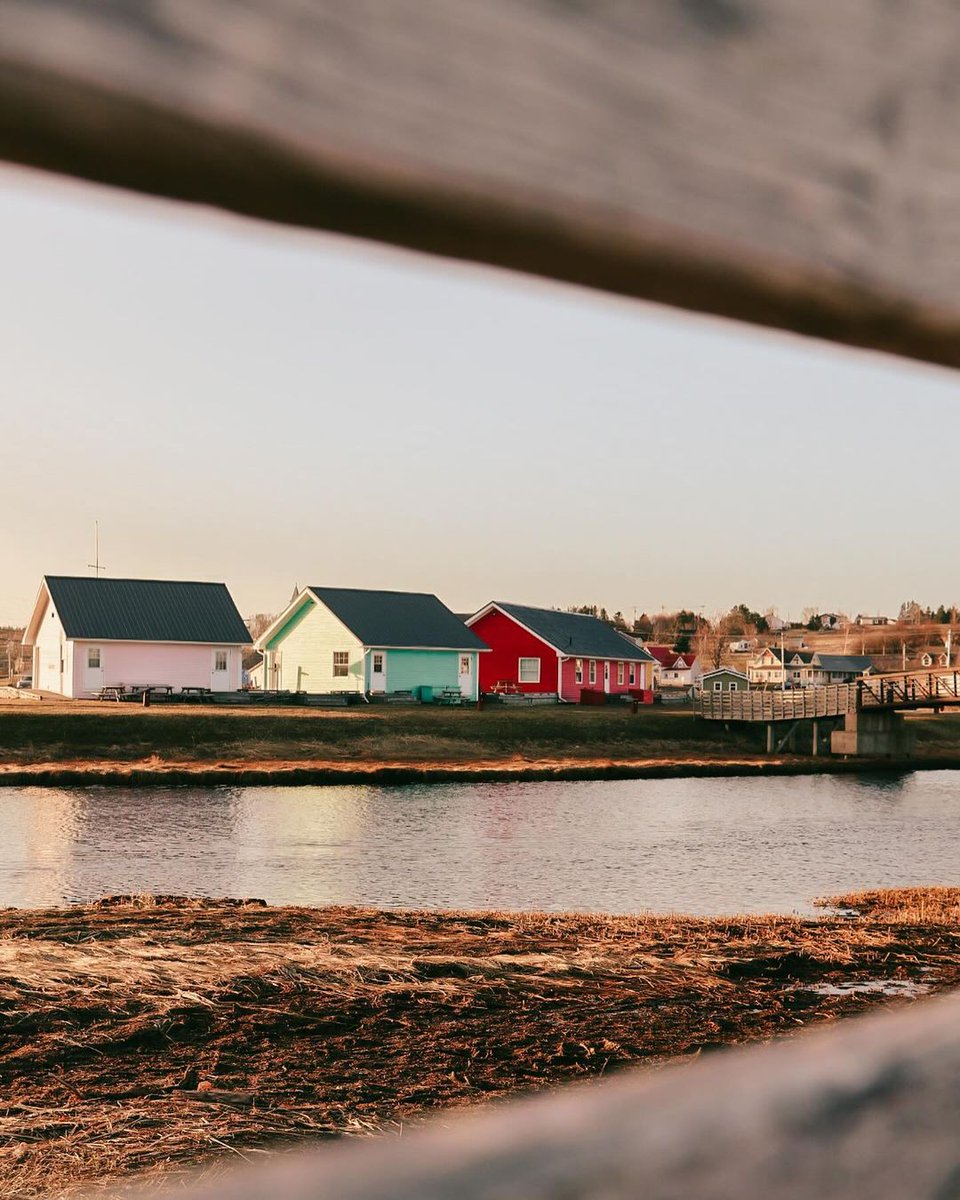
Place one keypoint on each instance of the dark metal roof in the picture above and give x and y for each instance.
(854, 664)
(399, 619)
(146, 610)
(576, 634)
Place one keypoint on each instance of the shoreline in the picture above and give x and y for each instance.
(285, 773)
(238, 1027)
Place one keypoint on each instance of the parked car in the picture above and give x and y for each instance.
(25, 682)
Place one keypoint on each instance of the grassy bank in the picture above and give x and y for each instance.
(149, 1036)
(77, 738)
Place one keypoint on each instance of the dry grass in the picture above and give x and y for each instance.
(150, 1035)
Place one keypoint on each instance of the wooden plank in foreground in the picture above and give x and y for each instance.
(787, 164)
(869, 1108)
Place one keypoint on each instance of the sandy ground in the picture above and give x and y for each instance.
(144, 1036)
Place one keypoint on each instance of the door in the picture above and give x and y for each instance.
(606, 674)
(465, 675)
(378, 671)
(220, 674)
(92, 668)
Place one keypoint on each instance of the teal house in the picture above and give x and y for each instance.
(370, 642)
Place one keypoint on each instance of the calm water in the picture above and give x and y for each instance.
(698, 845)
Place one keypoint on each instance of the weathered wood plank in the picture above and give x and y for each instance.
(870, 1108)
(743, 157)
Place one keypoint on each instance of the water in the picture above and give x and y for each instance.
(690, 845)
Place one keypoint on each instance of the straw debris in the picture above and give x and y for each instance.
(144, 1035)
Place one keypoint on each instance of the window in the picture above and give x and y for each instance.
(633, 674)
(377, 663)
(93, 657)
(578, 670)
(593, 670)
(465, 664)
(620, 669)
(734, 686)
(718, 685)
(341, 663)
(220, 660)
(529, 670)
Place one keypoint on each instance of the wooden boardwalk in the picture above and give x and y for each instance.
(898, 692)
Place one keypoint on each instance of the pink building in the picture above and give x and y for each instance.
(86, 634)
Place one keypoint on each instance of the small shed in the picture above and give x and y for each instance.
(370, 642)
(725, 679)
(86, 634)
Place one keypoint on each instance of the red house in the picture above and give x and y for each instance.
(542, 650)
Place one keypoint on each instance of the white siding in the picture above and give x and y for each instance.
(310, 646)
(52, 650)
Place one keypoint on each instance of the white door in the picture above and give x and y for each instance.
(465, 675)
(606, 674)
(378, 671)
(220, 672)
(92, 662)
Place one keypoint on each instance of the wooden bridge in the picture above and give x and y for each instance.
(899, 692)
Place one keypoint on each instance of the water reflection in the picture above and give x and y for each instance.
(702, 845)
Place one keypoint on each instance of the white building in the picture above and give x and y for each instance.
(86, 634)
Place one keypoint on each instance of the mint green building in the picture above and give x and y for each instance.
(370, 642)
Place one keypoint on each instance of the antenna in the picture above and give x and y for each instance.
(95, 565)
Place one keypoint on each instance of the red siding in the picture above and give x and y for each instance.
(571, 689)
(509, 642)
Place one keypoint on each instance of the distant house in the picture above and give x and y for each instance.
(863, 619)
(775, 623)
(86, 634)
(743, 646)
(674, 670)
(835, 668)
(934, 658)
(367, 641)
(774, 667)
(831, 621)
(543, 650)
(725, 679)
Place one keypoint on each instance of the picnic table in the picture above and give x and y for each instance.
(112, 691)
(201, 693)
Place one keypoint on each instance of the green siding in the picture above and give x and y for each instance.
(291, 623)
(410, 669)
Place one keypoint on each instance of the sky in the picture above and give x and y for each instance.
(268, 407)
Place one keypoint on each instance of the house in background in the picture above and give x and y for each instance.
(674, 670)
(863, 619)
(542, 650)
(86, 634)
(826, 669)
(369, 642)
(724, 679)
(775, 667)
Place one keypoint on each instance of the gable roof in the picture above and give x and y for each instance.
(142, 610)
(726, 671)
(666, 656)
(574, 635)
(398, 619)
(803, 657)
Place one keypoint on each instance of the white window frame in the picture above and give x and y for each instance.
(592, 669)
(621, 674)
(91, 665)
(341, 669)
(217, 656)
(578, 670)
(377, 654)
(734, 686)
(718, 685)
(633, 674)
(520, 669)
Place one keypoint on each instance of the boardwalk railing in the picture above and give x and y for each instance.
(918, 689)
(797, 705)
(921, 689)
